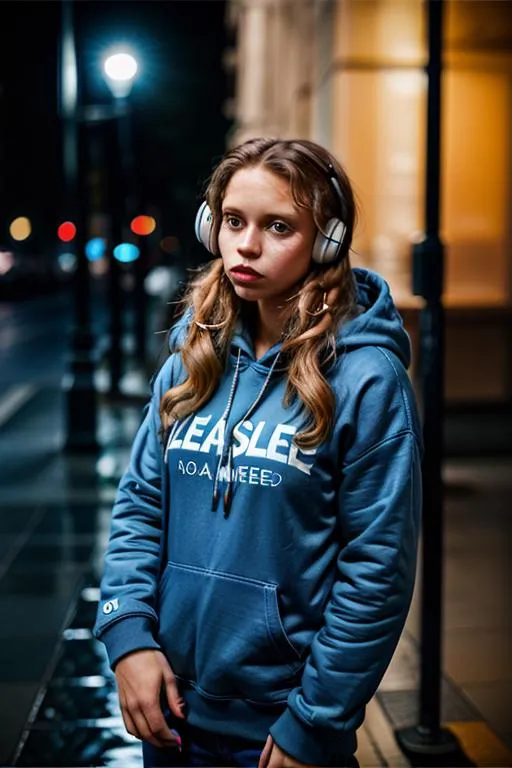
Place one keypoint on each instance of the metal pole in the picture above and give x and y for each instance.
(428, 738)
(115, 292)
(131, 208)
(81, 402)
(141, 303)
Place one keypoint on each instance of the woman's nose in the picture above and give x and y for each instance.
(250, 242)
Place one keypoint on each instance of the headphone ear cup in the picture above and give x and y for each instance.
(327, 245)
(203, 226)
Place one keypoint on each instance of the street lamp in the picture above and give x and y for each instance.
(120, 68)
(81, 406)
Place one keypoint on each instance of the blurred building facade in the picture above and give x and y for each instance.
(350, 74)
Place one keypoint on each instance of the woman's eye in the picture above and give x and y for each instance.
(280, 227)
(233, 222)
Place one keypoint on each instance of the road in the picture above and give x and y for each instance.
(35, 337)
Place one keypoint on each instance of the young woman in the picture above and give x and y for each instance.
(263, 546)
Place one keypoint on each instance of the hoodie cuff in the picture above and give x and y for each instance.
(134, 633)
(311, 744)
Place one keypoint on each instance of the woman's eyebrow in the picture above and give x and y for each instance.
(288, 214)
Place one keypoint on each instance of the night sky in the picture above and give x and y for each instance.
(177, 100)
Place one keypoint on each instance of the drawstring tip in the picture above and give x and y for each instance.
(227, 501)
(215, 501)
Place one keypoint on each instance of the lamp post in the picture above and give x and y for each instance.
(120, 68)
(81, 405)
(428, 742)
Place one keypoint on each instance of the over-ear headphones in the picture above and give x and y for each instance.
(327, 245)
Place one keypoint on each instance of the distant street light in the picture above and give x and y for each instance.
(120, 70)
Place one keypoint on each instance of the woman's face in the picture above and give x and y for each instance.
(265, 239)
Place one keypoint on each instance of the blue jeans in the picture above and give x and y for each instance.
(201, 748)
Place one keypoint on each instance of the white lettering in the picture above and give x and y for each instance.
(206, 471)
(276, 442)
(196, 429)
(191, 468)
(242, 474)
(254, 475)
(215, 438)
(175, 443)
(248, 441)
(243, 440)
(294, 461)
(266, 477)
(252, 449)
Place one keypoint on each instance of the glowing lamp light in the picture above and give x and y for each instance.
(143, 225)
(120, 66)
(120, 69)
(126, 252)
(95, 248)
(66, 231)
(20, 228)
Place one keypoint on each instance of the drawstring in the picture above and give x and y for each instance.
(224, 418)
(227, 452)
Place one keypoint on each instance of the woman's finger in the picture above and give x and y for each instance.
(265, 755)
(176, 703)
(129, 724)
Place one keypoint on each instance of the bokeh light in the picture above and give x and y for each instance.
(95, 248)
(143, 225)
(66, 231)
(6, 262)
(67, 262)
(20, 228)
(126, 252)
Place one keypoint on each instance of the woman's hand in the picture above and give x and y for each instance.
(140, 678)
(273, 757)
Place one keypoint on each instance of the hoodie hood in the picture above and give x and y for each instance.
(379, 323)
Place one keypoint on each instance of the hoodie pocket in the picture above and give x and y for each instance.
(224, 634)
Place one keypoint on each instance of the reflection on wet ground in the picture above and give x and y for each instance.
(78, 721)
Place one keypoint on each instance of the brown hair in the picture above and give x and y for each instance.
(308, 338)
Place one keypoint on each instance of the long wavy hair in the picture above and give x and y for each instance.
(308, 339)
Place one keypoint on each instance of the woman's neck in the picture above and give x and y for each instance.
(266, 326)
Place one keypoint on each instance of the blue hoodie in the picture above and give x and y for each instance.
(287, 574)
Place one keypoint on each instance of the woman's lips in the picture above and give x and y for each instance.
(245, 274)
